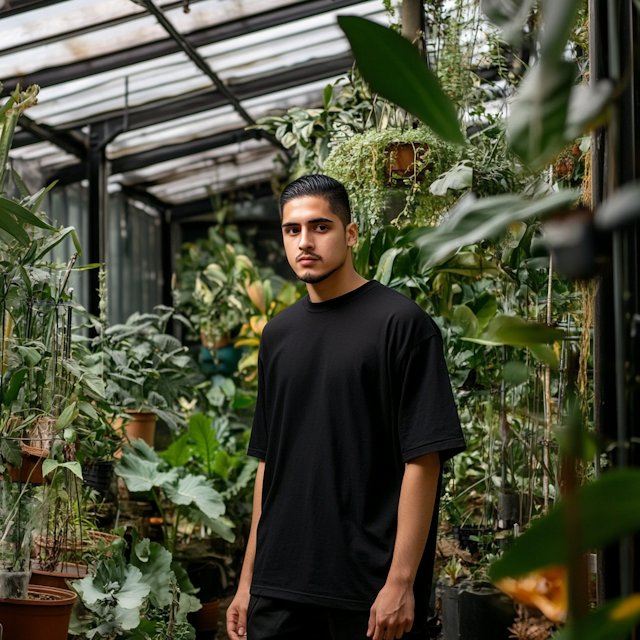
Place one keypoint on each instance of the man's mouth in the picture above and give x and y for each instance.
(307, 260)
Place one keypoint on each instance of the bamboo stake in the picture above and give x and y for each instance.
(547, 402)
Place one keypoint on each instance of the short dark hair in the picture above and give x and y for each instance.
(324, 187)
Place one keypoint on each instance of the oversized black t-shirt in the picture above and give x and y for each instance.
(349, 390)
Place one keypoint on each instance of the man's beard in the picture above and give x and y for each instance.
(315, 279)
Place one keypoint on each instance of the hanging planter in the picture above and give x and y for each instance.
(407, 159)
(44, 615)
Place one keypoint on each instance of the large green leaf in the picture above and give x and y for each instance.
(458, 178)
(536, 125)
(613, 621)
(607, 510)
(8, 223)
(467, 263)
(196, 490)
(385, 266)
(475, 219)
(464, 318)
(204, 438)
(558, 17)
(509, 15)
(485, 307)
(154, 563)
(177, 454)
(142, 475)
(393, 68)
(23, 214)
(134, 591)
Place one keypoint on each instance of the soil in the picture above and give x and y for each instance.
(43, 596)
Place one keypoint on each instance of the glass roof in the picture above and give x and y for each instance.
(270, 69)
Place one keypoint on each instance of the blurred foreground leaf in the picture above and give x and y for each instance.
(393, 68)
(608, 509)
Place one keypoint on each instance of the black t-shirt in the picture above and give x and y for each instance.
(349, 390)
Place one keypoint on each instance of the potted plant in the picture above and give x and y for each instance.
(133, 590)
(147, 371)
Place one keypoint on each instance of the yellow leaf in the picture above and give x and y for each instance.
(256, 293)
(627, 608)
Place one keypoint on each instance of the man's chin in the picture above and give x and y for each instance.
(313, 278)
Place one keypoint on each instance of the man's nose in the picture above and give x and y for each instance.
(305, 239)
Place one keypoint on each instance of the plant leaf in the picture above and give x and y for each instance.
(458, 178)
(155, 567)
(394, 69)
(509, 15)
(602, 522)
(196, 490)
(385, 266)
(142, 475)
(464, 318)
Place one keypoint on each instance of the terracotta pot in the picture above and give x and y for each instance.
(63, 572)
(31, 469)
(403, 156)
(38, 619)
(205, 621)
(142, 425)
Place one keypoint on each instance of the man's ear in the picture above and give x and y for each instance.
(352, 233)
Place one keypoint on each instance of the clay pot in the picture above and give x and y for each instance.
(205, 621)
(403, 156)
(63, 572)
(38, 619)
(31, 469)
(141, 425)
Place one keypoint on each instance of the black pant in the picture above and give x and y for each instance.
(274, 619)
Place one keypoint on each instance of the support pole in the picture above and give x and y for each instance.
(98, 203)
(413, 23)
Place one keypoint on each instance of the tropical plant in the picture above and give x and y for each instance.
(541, 123)
(192, 497)
(145, 368)
(145, 597)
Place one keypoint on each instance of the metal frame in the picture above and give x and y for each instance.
(150, 51)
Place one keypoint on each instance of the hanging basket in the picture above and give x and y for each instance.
(107, 538)
(40, 437)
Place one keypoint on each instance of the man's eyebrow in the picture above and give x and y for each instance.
(313, 221)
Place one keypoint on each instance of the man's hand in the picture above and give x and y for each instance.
(392, 612)
(237, 615)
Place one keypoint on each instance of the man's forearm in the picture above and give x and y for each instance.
(415, 512)
(250, 553)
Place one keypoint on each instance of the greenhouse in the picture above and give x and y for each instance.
(319, 319)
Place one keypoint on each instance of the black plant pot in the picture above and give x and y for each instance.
(475, 611)
(463, 536)
(98, 475)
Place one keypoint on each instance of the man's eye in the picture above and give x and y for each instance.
(322, 227)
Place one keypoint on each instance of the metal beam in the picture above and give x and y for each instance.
(171, 152)
(118, 59)
(89, 28)
(20, 6)
(198, 60)
(176, 107)
(43, 133)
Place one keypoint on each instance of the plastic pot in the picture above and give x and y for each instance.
(463, 536)
(57, 578)
(142, 425)
(38, 619)
(98, 475)
(13, 584)
(205, 621)
(474, 610)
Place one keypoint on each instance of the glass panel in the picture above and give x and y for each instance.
(108, 39)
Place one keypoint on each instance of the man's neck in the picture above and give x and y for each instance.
(342, 281)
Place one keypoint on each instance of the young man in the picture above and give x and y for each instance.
(354, 418)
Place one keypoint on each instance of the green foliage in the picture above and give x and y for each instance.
(393, 68)
(133, 600)
(145, 368)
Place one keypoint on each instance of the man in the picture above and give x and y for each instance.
(354, 417)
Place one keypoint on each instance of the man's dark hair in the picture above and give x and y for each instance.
(324, 187)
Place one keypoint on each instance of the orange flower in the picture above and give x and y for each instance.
(545, 589)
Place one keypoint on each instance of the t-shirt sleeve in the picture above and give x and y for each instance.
(259, 432)
(428, 419)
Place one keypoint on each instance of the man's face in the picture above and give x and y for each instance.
(315, 240)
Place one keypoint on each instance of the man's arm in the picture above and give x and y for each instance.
(393, 611)
(237, 611)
